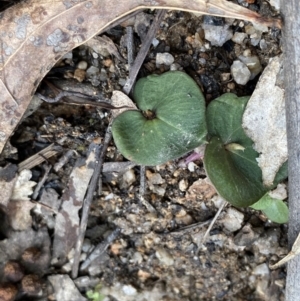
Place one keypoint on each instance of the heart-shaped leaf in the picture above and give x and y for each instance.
(171, 120)
(276, 210)
(230, 160)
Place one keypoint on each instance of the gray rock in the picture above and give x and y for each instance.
(164, 59)
(240, 72)
(217, 35)
(265, 123)
(232, 220)
(239, 37)
(253, 64)
(64, 288)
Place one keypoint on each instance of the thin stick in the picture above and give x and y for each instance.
(143, 52)
(100, 249)
(224, 203)
(130, 47)
(41, 182)
(96, 179)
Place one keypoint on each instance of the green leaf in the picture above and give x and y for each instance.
(171, 121)
(230, 160)
(234, 184)
(276, 210)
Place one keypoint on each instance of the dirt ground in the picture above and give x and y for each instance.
(150, 245)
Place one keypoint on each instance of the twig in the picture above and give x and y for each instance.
(223, 204)
(63, 160)
(100, 249)
(95, 103)
(40, 157)
(188, 228)
(130, 47)
(142, 179)
(96, 178)
(41, 182)
(143, 52)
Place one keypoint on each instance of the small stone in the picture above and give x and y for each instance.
(249, 29)
(137, 258)
(200, 190)
(129, 290)
(247, 52)
(175, 67)
(155, 42)
(246, 236)
(225, 77)
(82, 65)
(164, 59)
(154, 178)
(143, 275)
(183, 185)
(240, 72)
(103, 75)
(232, 220)
(164, 256)
(191, 166)
(263, 44)
(217, 35)
(107, 62)
(239, 37)
(92, 71)
(261, 270)
(79, 75)
(129, 177)
(252, 63)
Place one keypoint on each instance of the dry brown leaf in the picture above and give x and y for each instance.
(35, 34)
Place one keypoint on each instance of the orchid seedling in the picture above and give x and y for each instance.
(172, 120)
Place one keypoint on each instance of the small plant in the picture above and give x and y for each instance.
(95, 295)
(172, 121)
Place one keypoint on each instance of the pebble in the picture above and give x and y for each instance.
(263, 44)
(164, 59)
(239, 37)
(183, 185)
(155, 42)
(82, 65)
(232, 220)
(191, 166)
(79, 75)
(240, 72)
(122, 81)
(129, 177)
(268, 243)
(261, 270)
(164, 256)
(103, 75)
(217, 35)
(92, 71)
(253, 64)
(129, 290)
(175, 67)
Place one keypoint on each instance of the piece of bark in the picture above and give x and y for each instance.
(291, 48)
(67, 220)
